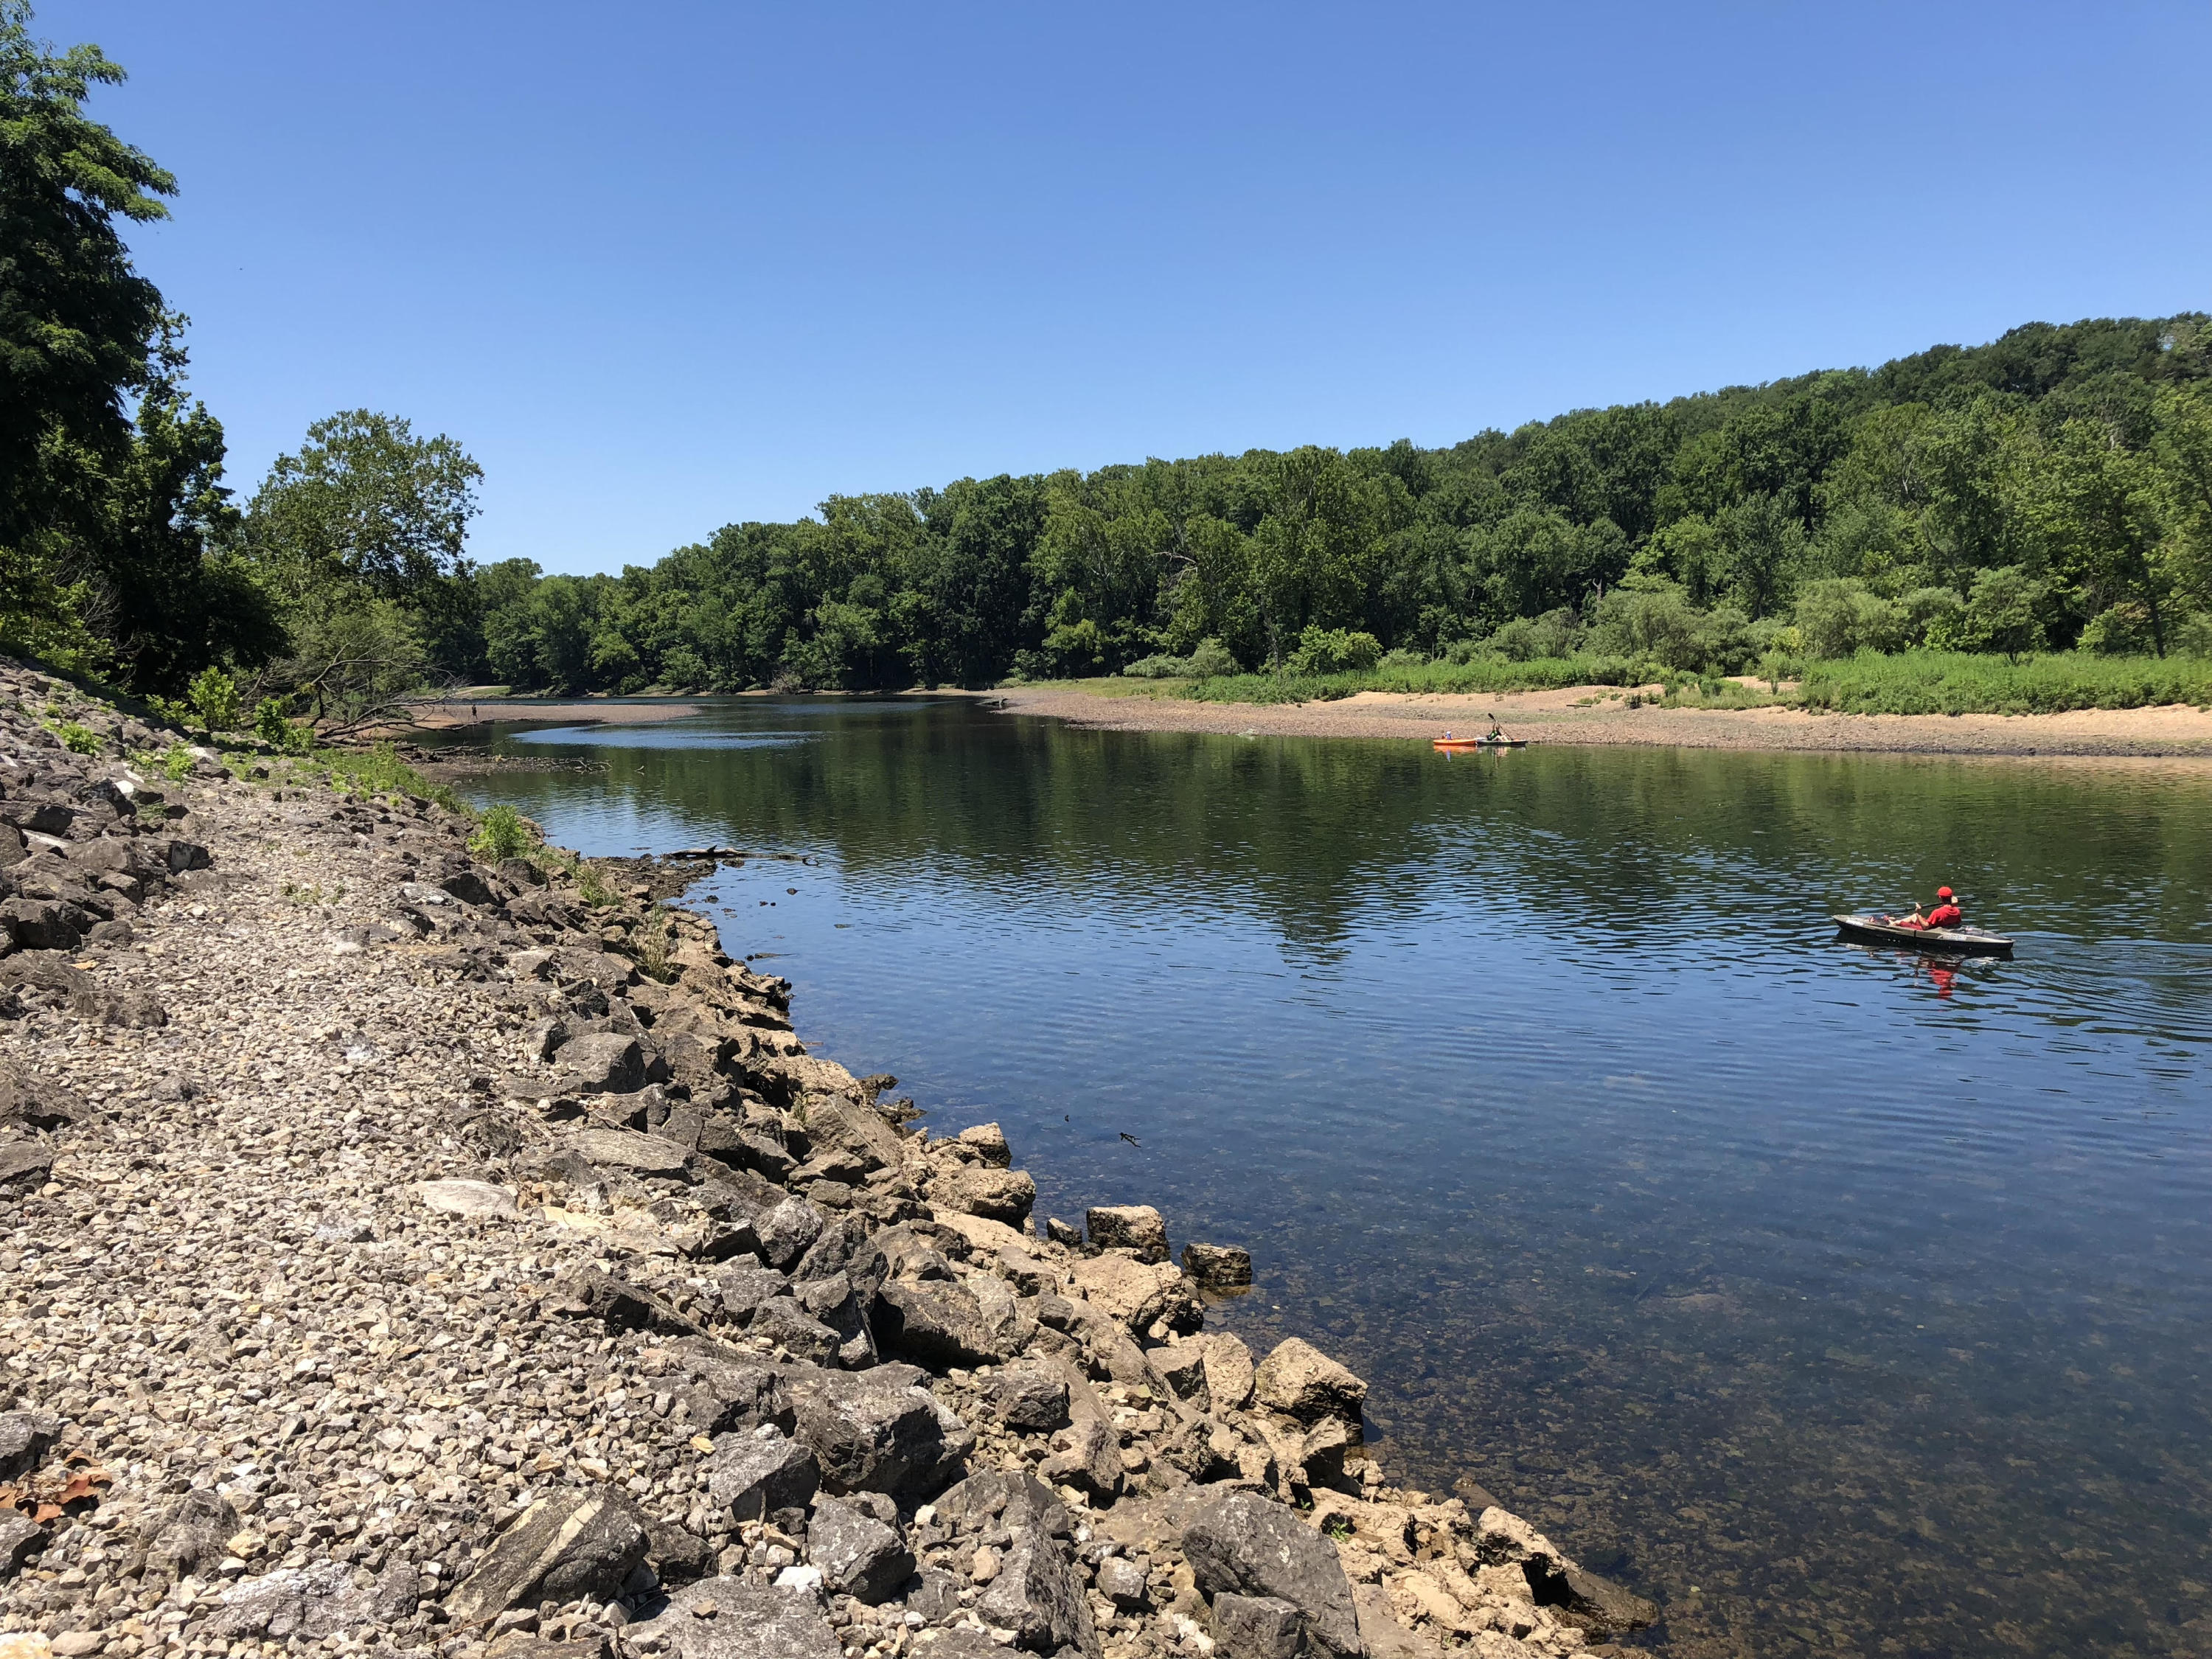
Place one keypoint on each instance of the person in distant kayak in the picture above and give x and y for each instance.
(1944, 913)
(1497, 732)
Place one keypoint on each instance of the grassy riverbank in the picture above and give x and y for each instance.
(1905, 683)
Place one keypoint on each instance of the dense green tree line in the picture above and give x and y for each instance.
(2051, 489)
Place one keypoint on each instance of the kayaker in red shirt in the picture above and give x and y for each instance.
(1944, 913)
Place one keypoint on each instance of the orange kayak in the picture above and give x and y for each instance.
(1460, 745)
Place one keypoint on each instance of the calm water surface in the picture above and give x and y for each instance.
(1841, 1301)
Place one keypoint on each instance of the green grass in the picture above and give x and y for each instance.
(1484, 674)
(1907, 683)
(1956, 683)
(379, 771)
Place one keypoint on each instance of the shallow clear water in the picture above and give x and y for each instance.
(1843, 1302)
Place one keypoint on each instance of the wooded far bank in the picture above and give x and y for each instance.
(2051, 491)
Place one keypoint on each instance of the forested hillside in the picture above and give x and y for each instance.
(2065, 471)
(2051, 490)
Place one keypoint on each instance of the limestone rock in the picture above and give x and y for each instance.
(1300, 1381)
(875, 1431)
(26, 1437)
(1245, 1545)
(1004, 1195)
(1257, 1626)
(1137, 1228)
(858, 1555)
(562, 1546)
(1136, 1293)
(1036, 1595)
(728, 1619)
(623, 1149)
(479, 1201)
(19, 1540)
(752, 1476)
(1029, 1399)
(942, 1323)
(601, 1062)
(1217, 1267)
(191, 1535)
(839, 1121)
(989, 1142)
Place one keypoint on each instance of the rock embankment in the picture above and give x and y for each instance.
(400, 1252)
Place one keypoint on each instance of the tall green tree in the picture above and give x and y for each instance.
(366, 510)
(78, 324)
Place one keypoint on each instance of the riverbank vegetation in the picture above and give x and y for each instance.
(2030, 519)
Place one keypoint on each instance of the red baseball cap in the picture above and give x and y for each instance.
(1942, 892)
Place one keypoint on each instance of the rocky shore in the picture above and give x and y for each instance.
(402, 1250)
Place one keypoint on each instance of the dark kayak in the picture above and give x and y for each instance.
(1941, 941)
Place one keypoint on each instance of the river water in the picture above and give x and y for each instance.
(1843, 1302)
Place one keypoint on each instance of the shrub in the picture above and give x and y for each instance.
(1651, 618)
(2001, 612)
(170, 711)
(500, 835)
(1334, 651)
(215, 694)
(1839, 616)
(177, 764)
(78, 739)
(1212, 658)
(1401, 658)
(1158, 668)
(270, 724)
(1933, 617)
(1525, 639)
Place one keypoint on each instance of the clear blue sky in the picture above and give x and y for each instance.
(662, 266)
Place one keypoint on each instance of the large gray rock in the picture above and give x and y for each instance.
(1217, 1267)
(601, 1063)
(1006, 1196)
(19, 1540)
(624, 1149)
(1301, 1380)
(728, 1619)
(189, 1535)
(786, 1230)
(1035, 1594)
(875, 1431)
(312, 1602)
(1242, 1544)
(797, 1332)
(568, 1545)
(1576, 1597)
(841, 1121)
(26, 1437)
(25, 1161)
(752, 1476)
(1257, 1627)
(592, 1293)
(476, 1200)
(940, 1323)
(747, 1286)
(1017, 1495)
(857, 1554)
(1136, 1227)
(728, 1391)
(1029, 1399)
(37, 1102)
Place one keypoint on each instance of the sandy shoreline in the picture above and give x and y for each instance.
(461, 711)
(1556, 717)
